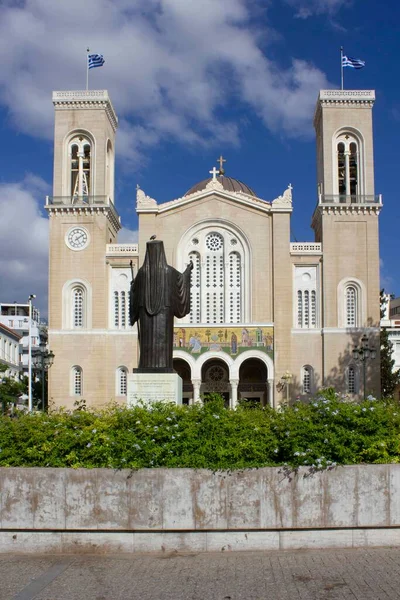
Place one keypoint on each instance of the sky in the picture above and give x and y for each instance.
(189, 80)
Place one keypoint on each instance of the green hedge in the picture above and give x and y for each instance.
(322, 434)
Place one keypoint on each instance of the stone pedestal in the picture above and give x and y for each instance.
(154, 387)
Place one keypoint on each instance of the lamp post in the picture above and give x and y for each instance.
(362, 354)
(30, 404)
(43, 361)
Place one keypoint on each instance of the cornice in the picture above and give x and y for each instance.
(343, 98)
(344, 209)
(108, 211)
(86, 100)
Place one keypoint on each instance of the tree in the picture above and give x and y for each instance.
(390, 379)
(10, 389)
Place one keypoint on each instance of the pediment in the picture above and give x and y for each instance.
(215, 189)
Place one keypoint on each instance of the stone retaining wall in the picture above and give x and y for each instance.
(62, 510)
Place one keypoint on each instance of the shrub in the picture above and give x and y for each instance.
(324, 433)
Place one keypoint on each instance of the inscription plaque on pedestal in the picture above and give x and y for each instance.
(154, 387)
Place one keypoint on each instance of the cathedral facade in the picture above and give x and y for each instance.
(270, 320)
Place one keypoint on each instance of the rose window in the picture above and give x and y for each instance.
(215, 373)
(214, 242)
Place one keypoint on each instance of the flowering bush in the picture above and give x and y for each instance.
(322, 434)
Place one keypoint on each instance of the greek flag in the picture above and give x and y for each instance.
(355, 63)
(95, 60)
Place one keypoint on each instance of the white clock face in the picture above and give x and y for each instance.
(77, 238)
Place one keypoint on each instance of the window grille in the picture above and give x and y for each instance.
(351, 383)
(78, 302)
(195, 288)
(313, 308)
(116, 309)
(122, 381)
(300, 308)
(77, 381)
(306, 380)
(351, 306)
(306, 308)
(123, 309)
(234, 286)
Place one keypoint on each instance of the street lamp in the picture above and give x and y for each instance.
(43, 361)
(362, 354)
(30, 406)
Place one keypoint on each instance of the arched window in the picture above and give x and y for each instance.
(220, 282)
(307, 379)
(348, 151)
(119, 298)
(351, 303)
(122, 378)
(215, 278)
(80, 150)
(351, 306)
(77, 381)
(76, 304)
(306, 284)
(78, 307)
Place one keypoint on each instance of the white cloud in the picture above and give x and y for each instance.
(309, 8)
(23, 242)
(171, 67)
(127, 236)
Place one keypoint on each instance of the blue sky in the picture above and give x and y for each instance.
(189, 80)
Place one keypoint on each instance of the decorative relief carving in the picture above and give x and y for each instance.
(143, 201)
(285, 199)
(214, 184)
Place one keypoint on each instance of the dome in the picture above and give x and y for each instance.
(228, 183)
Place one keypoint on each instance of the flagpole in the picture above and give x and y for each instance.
(87, 68)
(341, 67)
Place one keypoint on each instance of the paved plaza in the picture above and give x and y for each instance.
(362, 574)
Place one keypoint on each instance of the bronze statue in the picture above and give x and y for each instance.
(158, 294)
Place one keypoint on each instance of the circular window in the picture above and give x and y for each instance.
(215, 373)
(214, 241)
(195, 241)
(233, 241)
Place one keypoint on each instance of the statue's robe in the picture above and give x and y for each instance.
(158, 294)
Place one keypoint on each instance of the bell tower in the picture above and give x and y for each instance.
(83, 220)
(345, 222)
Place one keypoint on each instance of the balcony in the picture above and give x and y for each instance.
(357, 199)
(122, 249)
(306, 248)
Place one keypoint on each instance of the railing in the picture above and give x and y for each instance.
(306, 248)
(78, 201)
(356, 199)
(122, 249)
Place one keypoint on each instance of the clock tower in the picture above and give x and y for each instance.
(83, 220)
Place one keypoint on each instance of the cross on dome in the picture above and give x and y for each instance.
(214, 172)
(221, 161)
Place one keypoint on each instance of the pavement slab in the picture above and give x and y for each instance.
(348, 574)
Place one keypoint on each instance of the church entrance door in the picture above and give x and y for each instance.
(215, 379)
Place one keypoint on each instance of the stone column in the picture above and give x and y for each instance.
(271, 398)
(196, 390)
(234, 393)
